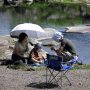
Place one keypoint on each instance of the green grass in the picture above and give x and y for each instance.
(84, 66)
(21, 66)
(25, 67)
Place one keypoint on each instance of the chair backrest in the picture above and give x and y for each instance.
(54, 62)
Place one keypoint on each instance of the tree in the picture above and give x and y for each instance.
(6, 2)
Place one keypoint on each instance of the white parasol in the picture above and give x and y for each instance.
(32, 30)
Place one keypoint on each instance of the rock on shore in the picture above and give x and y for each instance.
(78, 29)
(5, 42)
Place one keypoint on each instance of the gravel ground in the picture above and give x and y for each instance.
(25, 80)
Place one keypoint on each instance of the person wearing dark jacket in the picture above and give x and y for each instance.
(67, 48)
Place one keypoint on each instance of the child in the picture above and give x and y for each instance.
(35, 55)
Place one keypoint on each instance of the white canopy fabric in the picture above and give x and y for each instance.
(32, 30)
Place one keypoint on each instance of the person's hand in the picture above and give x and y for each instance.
(40, 61)
(26, 56)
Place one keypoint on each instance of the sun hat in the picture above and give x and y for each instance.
(57, 36)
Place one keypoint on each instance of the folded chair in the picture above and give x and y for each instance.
(56, 69)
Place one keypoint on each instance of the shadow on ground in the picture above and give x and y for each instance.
(42, 85)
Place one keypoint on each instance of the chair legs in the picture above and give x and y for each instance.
(56, 76)
(63, 74)
(68, 80)
(51, 77)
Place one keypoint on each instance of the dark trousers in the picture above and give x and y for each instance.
(17, 58)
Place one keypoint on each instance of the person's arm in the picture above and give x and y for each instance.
(31, 43)
(27, 48)
(58, 51)
(40, 56)
(17, 50)
(61, 48)
(35, 59)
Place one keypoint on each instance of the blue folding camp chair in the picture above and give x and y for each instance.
(56, 69)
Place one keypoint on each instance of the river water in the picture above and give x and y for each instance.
(82, 41)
